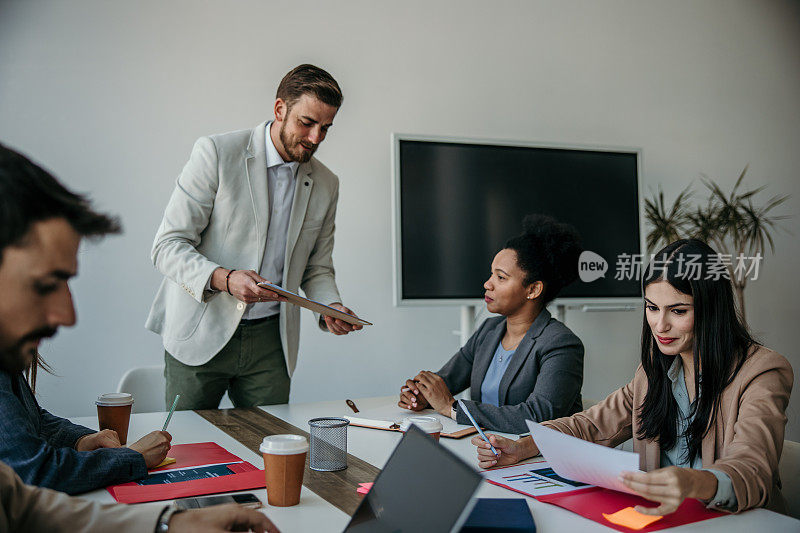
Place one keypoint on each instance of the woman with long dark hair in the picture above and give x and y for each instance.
(523, 363)
(707, 406)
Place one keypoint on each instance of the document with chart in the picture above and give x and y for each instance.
(535, 478)
(583, 461)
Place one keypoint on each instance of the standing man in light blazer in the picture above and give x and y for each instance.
(249, 206)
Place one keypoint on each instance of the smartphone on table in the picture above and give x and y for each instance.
(245, 500)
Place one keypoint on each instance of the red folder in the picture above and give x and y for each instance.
(246, 477)
(592, 503)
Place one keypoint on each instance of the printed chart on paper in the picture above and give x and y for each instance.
(535, 478)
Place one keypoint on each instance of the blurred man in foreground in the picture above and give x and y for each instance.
(41, 227)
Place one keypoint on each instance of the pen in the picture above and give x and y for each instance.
(482, 434)
(171, 410)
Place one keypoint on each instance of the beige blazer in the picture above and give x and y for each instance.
(28, 508)
(745, 439)
(218, 216)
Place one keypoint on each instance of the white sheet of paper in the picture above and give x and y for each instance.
(535, 478)
(584, 461)
(385, 416)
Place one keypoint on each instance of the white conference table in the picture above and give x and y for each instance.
(375, 446)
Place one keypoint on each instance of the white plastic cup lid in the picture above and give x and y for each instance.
(428, 424)
(284, 445)
(113, 399)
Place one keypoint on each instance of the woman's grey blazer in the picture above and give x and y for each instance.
(542, 382)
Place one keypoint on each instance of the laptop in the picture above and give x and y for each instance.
(423, 487)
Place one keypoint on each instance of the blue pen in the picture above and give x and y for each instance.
(463, 407)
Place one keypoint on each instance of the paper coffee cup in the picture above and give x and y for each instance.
(284, 465)
(114, 412)
(429, 424)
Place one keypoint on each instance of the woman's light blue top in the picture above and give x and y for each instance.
(490, 388)
(679, 455)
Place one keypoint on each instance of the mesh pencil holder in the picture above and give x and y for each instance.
(328, 444)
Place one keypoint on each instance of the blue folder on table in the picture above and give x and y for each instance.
(510, 515)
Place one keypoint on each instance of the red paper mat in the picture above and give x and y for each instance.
(592, 503)
(246, 477)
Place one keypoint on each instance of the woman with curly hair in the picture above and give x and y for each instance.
(524, 363)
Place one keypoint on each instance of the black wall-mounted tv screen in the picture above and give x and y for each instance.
(460, 202)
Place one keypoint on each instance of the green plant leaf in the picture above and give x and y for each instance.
(667, 225)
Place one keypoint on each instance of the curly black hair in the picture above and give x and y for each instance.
(548, 251)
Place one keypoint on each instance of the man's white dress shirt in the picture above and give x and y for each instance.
(281, 178)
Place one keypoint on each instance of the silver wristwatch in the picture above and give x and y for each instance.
(162, 526)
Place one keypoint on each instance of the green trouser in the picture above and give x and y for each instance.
(250, 367)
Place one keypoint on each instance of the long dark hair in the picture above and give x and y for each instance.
(721, 344)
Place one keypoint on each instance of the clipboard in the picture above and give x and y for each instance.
(388, 418)
(317, 307)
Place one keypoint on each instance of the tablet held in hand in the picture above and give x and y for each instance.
(317, 307)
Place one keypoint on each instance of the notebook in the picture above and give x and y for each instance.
(500, 515)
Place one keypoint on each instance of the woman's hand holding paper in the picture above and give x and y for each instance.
(670, 486)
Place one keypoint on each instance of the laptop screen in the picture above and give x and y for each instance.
(423, 487)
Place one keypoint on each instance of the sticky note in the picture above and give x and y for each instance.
(166, 461)
(631, 518)
(363, 488)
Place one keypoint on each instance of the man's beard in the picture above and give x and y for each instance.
(16, 358)
(293, 149)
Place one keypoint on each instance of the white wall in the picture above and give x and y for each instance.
(110, 95)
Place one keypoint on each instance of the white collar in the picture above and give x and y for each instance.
(274, 159)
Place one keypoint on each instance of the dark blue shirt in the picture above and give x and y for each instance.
(40, 446)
